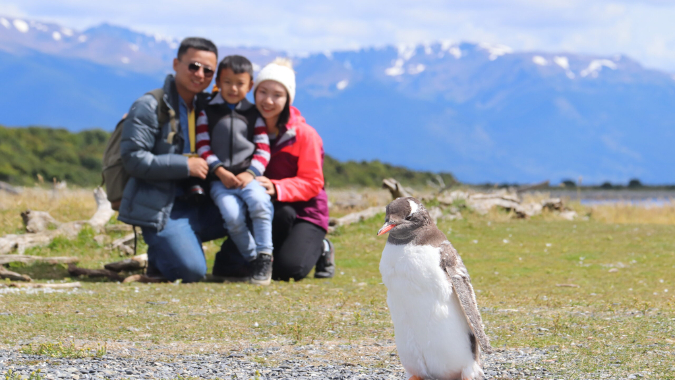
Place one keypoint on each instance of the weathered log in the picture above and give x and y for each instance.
(6, 259)
(128, 265)
(355, 217)
(534, 186)
(395, 188)
(38, 221)
(6, 187)
(20, 243)
(6, 273)
(552, 204)
(123, 244)
(67, 285)
(103, 212)
(435, 213)
(144, 279)
(75, 271)
(117, 227)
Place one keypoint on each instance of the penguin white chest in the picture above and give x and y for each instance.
(432, 334)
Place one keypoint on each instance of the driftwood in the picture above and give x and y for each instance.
(355, 217)
(38, 221)
(20, 243)
(395, 188)
(75, 272)
(128, 265)
(6, 259)
(144, 279)
(103, 212)
(6, 273)
(67, 285)
(534, 186)
(123, 244)
(6, 187)
(118, 227)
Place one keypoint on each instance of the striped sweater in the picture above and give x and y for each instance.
(234, 138)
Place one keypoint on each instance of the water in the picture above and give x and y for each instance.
(642, 198)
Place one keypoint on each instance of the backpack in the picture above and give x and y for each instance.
(114, 176)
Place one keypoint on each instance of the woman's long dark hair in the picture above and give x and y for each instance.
(285, 114)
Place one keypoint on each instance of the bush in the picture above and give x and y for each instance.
(77, 158)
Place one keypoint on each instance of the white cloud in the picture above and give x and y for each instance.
(641, 30)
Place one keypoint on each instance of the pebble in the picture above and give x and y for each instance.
(510, 364)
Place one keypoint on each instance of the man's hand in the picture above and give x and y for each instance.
(198, 167)
(245, 178)
(227, 178)
(268, 185)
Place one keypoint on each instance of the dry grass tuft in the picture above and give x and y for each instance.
(630, 213)
(64, 205)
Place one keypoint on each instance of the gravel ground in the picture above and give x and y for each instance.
(245, 364)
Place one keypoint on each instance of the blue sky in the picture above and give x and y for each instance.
(643, 30)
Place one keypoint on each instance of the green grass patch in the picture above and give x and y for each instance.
(59, 350)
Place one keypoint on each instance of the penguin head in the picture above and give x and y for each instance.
(404, 217)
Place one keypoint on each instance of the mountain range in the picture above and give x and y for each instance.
(482, 111)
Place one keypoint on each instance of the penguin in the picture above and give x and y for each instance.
(438, 328)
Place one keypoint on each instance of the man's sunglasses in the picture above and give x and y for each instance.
(195, 66)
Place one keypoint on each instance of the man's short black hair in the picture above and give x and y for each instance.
(237, 63)
(198, 43)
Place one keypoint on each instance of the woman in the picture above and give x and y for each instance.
(294, 178)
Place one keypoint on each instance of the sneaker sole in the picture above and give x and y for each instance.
(260, 282)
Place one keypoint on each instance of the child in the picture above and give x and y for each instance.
(233, 140)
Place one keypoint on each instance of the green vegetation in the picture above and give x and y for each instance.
(370, 174)
(11, 375)
(26, 153)
(59, 350)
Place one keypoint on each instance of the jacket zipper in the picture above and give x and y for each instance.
(232, 139)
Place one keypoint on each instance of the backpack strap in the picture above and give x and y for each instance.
(164, 113)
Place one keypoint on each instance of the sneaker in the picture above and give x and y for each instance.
(325, 267)
(262, 269)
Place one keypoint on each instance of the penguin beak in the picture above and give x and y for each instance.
(386, 228)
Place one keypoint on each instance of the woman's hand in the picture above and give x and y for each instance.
(268, 185)
(227, 178)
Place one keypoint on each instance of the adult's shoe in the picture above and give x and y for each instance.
(325, 267)
(231, 267)
(262, 269)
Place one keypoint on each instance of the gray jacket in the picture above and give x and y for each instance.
(154, 165)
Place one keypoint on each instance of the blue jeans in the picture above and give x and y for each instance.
(233, 204)
(176, 251)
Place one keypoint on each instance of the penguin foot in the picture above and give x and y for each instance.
(472, 372)
(415, 377)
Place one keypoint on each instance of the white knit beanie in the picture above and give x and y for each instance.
(280, 70)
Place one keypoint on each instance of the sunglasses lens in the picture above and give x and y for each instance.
(194, 67)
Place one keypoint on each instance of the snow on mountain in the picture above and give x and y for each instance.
(482, 111)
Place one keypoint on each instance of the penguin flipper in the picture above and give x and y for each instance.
(461, 286)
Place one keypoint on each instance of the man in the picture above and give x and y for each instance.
(161, 159)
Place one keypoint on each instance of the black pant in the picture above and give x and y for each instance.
(297, 247)
(297, 244)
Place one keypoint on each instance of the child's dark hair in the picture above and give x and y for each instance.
(237, 63)
(196, 43)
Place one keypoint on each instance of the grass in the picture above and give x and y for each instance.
(620, 318)
(59, 350)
